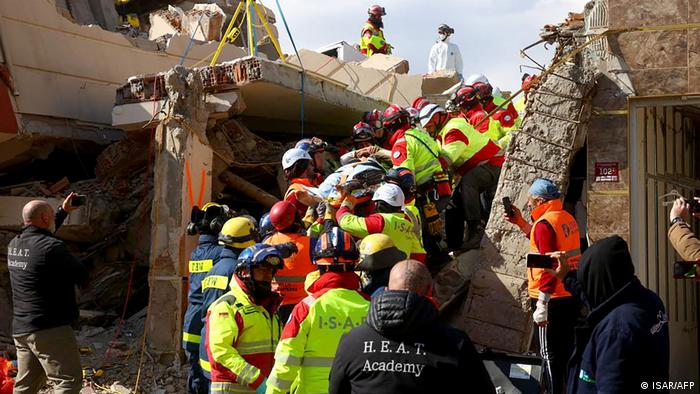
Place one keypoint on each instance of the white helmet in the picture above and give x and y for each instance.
(294, 155)
(390, 194)
(474, 78)
(427, 113)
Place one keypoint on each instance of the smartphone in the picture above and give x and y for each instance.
(78, 200)
(535, 260)
(508, 207)
(684, 270)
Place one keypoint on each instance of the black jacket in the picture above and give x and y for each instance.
(624, 341)
(43, 275)
(401, 348)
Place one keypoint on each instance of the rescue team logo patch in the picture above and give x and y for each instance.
(397, 154)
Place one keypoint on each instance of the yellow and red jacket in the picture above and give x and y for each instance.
(567, 240)
(465, 148)
(310, 339)
(290, 280)
(417, 151)
(398, 226)
(372, 40)
(241, 340)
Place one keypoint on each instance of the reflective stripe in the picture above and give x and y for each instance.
(246, 375)
(229, 387)
(215, 282)
(200, 266)
(288, 359)
(287, 279)
(278, 383)
(191, 338)
(205, 365)
(317, 361)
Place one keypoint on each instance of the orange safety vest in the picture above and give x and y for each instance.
(568, 240)
(290, 280)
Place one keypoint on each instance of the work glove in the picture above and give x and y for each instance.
(262, 388)
(540, 315)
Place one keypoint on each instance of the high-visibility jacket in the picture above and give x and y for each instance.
(290, 280)
(466, 148)
(241, 340)
(419, 152)
(309, 340)
(203, 258)
(398, 226)
(413, 213)
(567, 239)
(214, 285)
(373, 42)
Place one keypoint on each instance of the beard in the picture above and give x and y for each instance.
(262, 290)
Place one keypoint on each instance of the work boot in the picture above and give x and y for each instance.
(476, 232)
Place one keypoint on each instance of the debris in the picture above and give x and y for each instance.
(388, 63)
(59, 186)
(119, 388)
(249, 189)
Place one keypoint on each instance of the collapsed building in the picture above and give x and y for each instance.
(147, 130)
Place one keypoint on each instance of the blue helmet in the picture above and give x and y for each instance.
(335, 247)
(266, 227)
(260, 254)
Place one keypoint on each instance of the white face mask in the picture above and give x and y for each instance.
(442, 37)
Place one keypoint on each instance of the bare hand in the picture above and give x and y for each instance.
(679, 210)
(563, 268)
(516, 219)
(68, 203)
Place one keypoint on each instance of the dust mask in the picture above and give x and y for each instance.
(443, 37)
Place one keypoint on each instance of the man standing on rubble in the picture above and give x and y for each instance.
(414, 149)
(445, 55)
(556, 311)
(372, 37)
(476, 160)
(43, 275)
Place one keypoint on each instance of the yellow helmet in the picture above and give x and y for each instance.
(239, 233)
(378, 251)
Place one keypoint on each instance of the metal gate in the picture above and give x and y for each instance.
(663, 146)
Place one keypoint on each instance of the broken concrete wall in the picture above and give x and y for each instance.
(71, 71)
(181, 149)
(495, 312)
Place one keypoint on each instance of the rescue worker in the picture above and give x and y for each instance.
(468, 106)
(236, 234)
(299, 171)
(378, 254)
(389, 219)
(365, 146)
(445, 55)
(266, 227)
(556, 311)
(372, 37)
(242, 327)
(206, 222)
(316, 148)
(403, 178)
(309, 340)
(290, 281)
(374, 119)
(414, 149)
(501, 121)
(474, 158)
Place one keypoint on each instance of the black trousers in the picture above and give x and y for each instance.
(556, 341)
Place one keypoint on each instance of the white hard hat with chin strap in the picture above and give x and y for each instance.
(390, 194)
(292, 156)
(428, 112)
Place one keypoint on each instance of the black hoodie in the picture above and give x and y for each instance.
(401, 348)
(624, 342)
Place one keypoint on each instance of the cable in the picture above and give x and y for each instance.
(303, 71)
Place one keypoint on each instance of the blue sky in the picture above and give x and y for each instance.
(489, 33)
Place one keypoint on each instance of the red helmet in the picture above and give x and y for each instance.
(373, 118)
(393, 114)
(466, 96)
(483, 89)
(419, 103)
(376, 10)
(362, 132)
(282, 215)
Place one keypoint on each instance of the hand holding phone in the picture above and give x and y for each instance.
(508, 207)
(535, 260)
